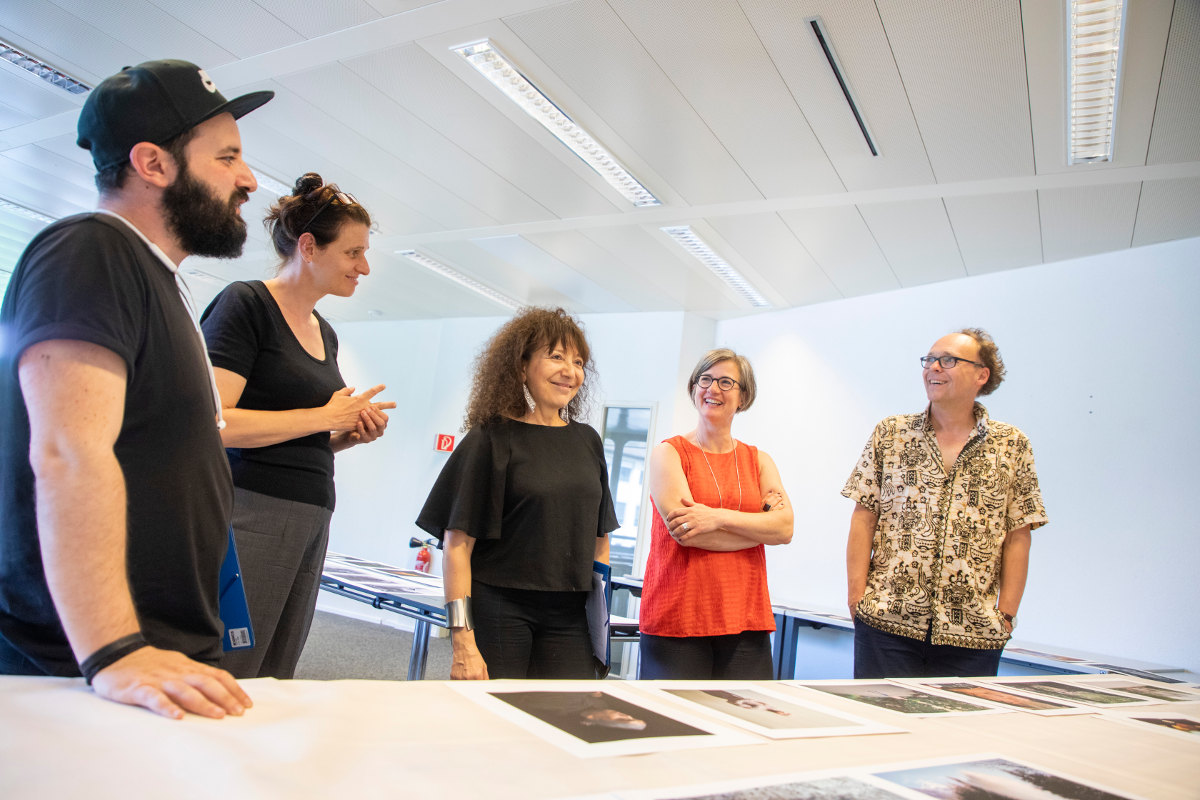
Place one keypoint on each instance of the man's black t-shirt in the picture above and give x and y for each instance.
(91, 278)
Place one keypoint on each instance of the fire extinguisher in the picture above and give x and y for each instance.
(424, 561)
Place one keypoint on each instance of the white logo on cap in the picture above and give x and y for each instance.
(208, 84)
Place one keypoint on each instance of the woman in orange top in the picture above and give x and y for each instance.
(705, 611)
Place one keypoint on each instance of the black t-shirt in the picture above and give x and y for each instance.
(91, 278)
(534, 497)
(247, 334)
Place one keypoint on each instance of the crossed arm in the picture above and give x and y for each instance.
(353, 419)
(75, 393)
(718, 529)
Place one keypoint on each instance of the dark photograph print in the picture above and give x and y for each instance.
(1162, 693)
(1070, 692)
(596, 716)
(994, 695)
(1180, 724)
(836, 788)
(993, 779)
(904, 699)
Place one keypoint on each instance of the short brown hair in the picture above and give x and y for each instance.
(496, 389)
(746, 383)
(989, 354)
(310, 208)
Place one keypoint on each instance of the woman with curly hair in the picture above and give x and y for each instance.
(287, 411)
(523, 508)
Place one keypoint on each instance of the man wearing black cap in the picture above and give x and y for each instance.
(115, 492)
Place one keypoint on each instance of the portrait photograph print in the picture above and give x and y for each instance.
(899, 698)
(1071, 692)
(771, 714)
(596, 718)
(987, 694)
(993, 777)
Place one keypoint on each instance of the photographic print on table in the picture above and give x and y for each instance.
(993, 777)
(594, 718)
(1137, 673)
(899, 698)
(832, 788)
(1070, 692)
(995, 695)
(1178, 725)
(1157, 693)
(770, 714)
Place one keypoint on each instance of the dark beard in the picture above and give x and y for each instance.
(203, 224)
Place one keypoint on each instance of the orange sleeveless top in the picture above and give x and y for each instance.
(692, 592)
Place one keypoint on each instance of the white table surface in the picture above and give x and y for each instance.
(365, 739)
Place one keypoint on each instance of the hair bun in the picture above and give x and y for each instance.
(307, 183)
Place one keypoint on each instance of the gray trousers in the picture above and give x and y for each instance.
(281, 546)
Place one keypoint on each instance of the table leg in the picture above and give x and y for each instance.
(420, 651)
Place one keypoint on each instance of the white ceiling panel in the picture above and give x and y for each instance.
(149, 30)
(642, 251)
(996, 231)
(585, 293)
(841, 243)
(916, 239)
(592, 50)
(33, 188)
(443, 103)
(765, 241)
(861, 43)
(1168, 210)
(964, 73)
(314, 18)
(27, 97)
(58, 167)
(247, 30)
(54, 35)
(1082, 222)
(373, 116)
(719, 65)
(1176, 135)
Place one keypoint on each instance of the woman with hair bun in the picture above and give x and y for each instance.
(523, 507)
(287, 411)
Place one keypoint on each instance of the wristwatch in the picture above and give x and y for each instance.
(1010, 618)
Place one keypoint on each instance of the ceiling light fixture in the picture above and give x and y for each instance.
(700, 250)
(499, 70)
(818, 29)
(22, 211)
(271, 184)
(1095, 32)
(43, 70)
(456, 276)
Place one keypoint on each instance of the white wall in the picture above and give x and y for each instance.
(1103, 378)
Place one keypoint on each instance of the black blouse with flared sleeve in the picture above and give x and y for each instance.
(534, 497)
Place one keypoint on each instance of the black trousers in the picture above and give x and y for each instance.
(737, 656)
(523, 633)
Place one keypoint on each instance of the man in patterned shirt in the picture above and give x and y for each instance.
(945, 501)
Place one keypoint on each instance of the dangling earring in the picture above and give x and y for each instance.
(562, 412)
(529, 398)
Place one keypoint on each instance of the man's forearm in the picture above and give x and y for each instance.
(863, 522)
(81, 528)
(1014, 569)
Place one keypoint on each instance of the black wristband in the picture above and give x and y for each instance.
(111, 653)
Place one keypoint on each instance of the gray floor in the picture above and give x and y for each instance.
(341, 648)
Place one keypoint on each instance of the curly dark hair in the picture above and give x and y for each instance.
(496, 389)
(989, 354)
(312, 207)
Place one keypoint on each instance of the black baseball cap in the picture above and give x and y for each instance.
(152, 102)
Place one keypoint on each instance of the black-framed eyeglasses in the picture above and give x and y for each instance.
(345, 198)
(947, 362)
(705, 381)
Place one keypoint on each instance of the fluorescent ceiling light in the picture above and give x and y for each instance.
(22, 211)
(265, 181)
(1095, 30)
(43, 70)
(458, 277)
(689, 241)
(495, 66)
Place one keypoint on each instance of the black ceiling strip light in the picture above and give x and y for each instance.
(819, 30)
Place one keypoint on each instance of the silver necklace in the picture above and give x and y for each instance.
(736, 466)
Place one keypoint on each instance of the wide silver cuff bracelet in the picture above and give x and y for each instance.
(458, 614)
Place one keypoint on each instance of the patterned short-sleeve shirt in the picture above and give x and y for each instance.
(936, 555)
